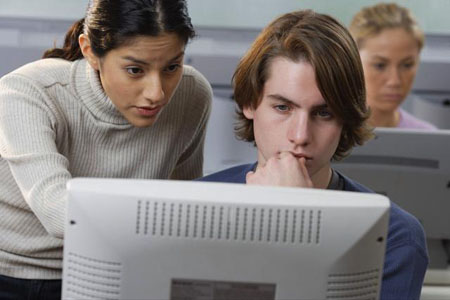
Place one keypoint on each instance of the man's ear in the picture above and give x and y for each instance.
(248, 112)
(86, 49)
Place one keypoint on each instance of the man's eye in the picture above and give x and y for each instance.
(134, 70)
(323, 113)
(282, 107)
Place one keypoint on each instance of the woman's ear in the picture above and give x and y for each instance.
(86, 49)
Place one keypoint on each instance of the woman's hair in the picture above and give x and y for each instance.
(324, 43)
(371, 20)
(111, 24)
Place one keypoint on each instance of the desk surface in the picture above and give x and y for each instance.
(440, 277)
(436, 285)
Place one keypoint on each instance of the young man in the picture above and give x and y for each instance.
(301, 98)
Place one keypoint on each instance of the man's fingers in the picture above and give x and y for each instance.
(305, 172)
(283, 154)
(248, 176)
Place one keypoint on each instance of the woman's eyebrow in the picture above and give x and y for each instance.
(142, 62)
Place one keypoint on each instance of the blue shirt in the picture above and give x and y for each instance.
(406, 257)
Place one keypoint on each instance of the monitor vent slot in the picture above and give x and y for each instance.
(353, 286)
(90, 278)
(250, 224)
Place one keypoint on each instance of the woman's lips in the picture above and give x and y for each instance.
(393, 97)
(148, 111)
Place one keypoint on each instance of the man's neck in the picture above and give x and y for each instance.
(322, 178)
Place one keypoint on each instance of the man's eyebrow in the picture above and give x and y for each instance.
(282, 99)
(142, 62)
(287, 101)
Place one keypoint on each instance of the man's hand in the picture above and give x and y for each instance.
(284, 170)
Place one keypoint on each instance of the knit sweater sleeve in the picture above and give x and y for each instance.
(199, 98)
(29, 124)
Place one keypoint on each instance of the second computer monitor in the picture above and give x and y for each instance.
(412, 168)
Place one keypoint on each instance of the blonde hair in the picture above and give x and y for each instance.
(371, 20)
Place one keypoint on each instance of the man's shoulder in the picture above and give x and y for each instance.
(405, 230)
(353, 186)
(232, 175)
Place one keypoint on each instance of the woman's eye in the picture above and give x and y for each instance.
(408, 65)
(282, 107)
(134, 70)
(379, 66)
(173, 68)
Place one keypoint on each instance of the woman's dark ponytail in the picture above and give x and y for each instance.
(110, 24)
(71, 49)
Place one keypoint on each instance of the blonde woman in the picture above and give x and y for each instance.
(389, 41)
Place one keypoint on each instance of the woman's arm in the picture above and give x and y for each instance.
(31, 133)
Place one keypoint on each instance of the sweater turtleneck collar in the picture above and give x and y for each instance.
(89, 89)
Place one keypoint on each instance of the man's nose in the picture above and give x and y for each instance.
(299, 129)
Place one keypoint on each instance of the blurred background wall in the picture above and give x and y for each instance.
(225, 30)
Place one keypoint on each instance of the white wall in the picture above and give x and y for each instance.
(432, 14)
(46, 9)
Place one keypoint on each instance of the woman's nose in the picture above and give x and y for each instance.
(153, 90)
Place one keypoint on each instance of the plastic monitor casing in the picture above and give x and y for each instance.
(138, 239)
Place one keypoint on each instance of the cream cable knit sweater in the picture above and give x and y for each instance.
(56, 123)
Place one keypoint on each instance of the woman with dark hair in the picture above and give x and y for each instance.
(114, 101)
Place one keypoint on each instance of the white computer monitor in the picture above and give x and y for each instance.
(412, 168)
(156, 239)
